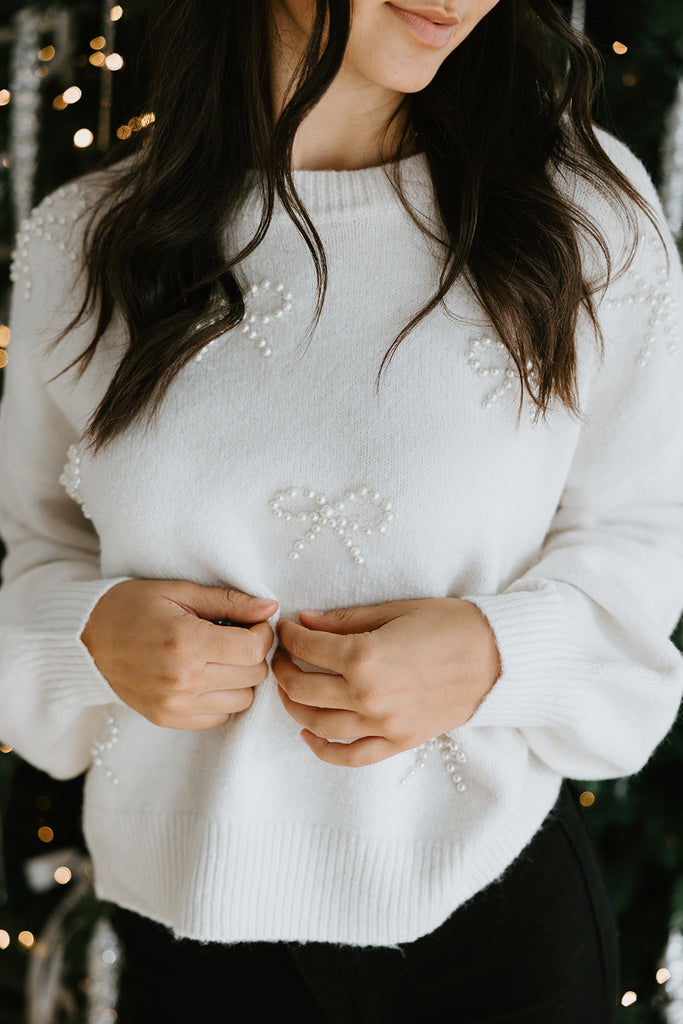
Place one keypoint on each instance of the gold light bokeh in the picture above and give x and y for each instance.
(83, 138)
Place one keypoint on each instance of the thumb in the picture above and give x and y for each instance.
(220, 603)
(352, 620)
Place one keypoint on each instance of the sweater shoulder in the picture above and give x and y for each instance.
(49, 242)
(48, 267)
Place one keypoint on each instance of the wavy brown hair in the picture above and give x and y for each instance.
(507, 109)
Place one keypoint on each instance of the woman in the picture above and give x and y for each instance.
(357, 815)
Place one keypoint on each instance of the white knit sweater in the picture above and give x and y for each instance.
(567, 535)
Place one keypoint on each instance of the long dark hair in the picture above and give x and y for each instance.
(507, 109)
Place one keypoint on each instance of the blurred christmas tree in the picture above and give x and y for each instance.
(72, 82)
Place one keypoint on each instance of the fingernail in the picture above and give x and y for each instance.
(312, 613)
(261, 602)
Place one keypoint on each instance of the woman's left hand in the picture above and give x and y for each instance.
(406, 671)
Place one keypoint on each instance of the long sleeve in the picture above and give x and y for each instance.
(51, 694)
(589, 674)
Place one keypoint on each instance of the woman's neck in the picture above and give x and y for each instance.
(344, 130)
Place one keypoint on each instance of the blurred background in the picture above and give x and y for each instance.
(72, 85)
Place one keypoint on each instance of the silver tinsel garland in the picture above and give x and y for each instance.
(579, 15)
(672, 165)
(25, 92)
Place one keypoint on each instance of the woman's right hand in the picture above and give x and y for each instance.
(157, 645)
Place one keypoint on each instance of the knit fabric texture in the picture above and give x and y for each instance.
(276, 468)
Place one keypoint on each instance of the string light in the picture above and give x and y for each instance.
(629, 79)
(114, 61)
(587, 799)
(59, 103)
(4, 939)
(62, 875)
(97, 59)
(47, 53)
(26, 939)
(116, 13)
(72, 94)
(98, 43)
(619, 48)
(4, 748)
(123, 132)
(663, 975)
(5, 97)
(83, 138)
(45, 834)
(628, 998)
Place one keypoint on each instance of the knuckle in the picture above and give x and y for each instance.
(357, 760)
(253, 650)
(344, 615)
(262, 672)
(296, 693)
(362, 660)
(163, 719)
(233, 595)
(372, 700)
(390, 726)
(170, 703)
(244, 699)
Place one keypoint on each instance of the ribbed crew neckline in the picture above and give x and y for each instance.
(341, 192)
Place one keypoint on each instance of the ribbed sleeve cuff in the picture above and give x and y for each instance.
(543, 674)
(59, 659)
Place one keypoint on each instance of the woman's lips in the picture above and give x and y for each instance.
(428, 32)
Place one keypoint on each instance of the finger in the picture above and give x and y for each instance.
(215, 678)
(231, 645)
(188, 722)
(324, 650)
(221, 702)
(332, 725)
(366, 751)
(316, 689)
(356, 620)
(220, 602)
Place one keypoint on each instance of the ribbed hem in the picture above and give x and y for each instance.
(541, 669)
(232, 881)
(59, 660)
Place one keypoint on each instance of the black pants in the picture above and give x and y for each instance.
(539, 946)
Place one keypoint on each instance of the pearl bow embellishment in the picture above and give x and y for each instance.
(274, 303)
(361, 510)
